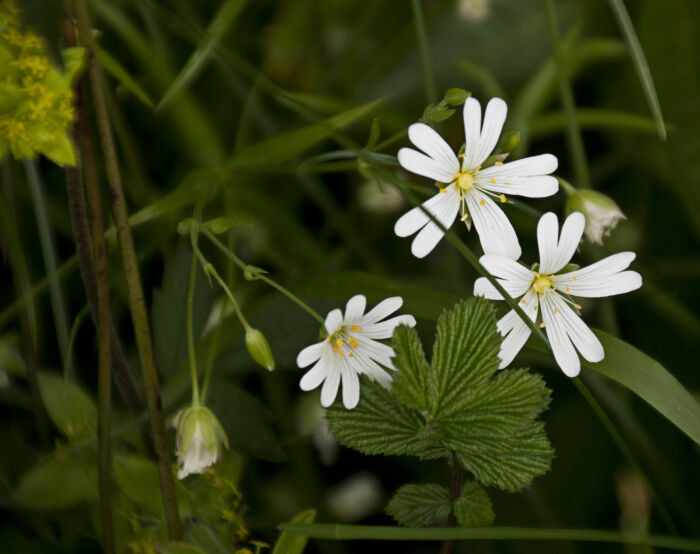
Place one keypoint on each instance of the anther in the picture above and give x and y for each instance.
(493, 180)
(503, 198)
(498, 163)
(543, 325)
(443, 191)
(354, 328)
(482, 202)
(573, 277)
(568, 289)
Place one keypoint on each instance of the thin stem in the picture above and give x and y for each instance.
(77, 322)
(569, 189)
(47, 249)
(137, 304)
(455, 493)
(213, 348)
(430, 92)
(573, 132)
(190, 326)
(230, 255)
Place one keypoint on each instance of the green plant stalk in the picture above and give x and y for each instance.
(75, 327)
(190, 325)
(46, 242)
(455, 492)
(137, 304)
(573, 132)
(624, 448)
(230, 255)
(430, 91)
(371, 532)
(640, 64)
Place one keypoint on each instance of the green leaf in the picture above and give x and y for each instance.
(380, 424)
(218, 27)
(473, 508)
(419, 505)
(245, 421)
(71, 409)
(57, 484)
(286, 146)
(412, 384)
(465, 354)
(289, 543)
(115, 69)
(170, 311)
(178, 548)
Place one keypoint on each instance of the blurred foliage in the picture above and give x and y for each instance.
(262, 98)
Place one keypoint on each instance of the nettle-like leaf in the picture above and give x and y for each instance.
(473, 507)
(419, 505)
(459, 403)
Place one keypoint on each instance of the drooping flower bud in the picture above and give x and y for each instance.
(199, 440)
(601, 211)
(259, 348)
(456, 96)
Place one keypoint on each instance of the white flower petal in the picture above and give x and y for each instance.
(514, 330)
(330, 387)
(430, 142)
(527, 177)
(420, 164)
(507, 269)
(483, 287)
(430, 235)
(377, 351)
(371, 368)
(355, 308)
(480, 142)
(385, 329)
(603, 278)
(581, 336)
(472, 131)
(564, 352)
(416, 218)
(315, 376)
(351, 386)
(496, 233)
(555, 254)
(385, 308)
(334, 319)
(310, 354)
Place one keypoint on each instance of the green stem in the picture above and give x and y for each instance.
(370, 532)
(569, 189)
(47, 250)
(137, 304)
(230, 255)
(190, 326)
(430, 92)
(77, 322)
(578, 153)
(455, 492)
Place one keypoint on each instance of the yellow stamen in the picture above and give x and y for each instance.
(339, 342)
(462, 155)
(503, 198)
(498, 163)
(460, 198)
(556, 310)
(578, 307)
(341, 352)
(574, 277)
(482, 202)
(541, 284)
(568, 289)
(465, 180)
(493, 180)
(464, 217)
(443, 191)
(522, 301)
(477, 169)
(354, 328)
(543, 325)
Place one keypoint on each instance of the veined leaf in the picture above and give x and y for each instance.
(412, 384)
(57, 484)
(290, 543)
(380, 424)
(70, 408)
(287, 146)
(473, 508)
(419, 505)
(465, 354)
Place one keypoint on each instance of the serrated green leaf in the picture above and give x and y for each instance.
(419, 505)
(290, 543)
(465, 354)
(71, 409)
(412, 384)
(57, 484)
(380, 424)
(473, 507)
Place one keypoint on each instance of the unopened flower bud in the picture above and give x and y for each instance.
(601, 211)
(456, 96)
(259, 348)
(185, 226)
(509, 140)
(252, 273)
(199, 440)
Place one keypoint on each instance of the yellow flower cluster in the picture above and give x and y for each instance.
(35, 97)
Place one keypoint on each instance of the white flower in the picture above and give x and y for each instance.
(546, 292)
(351, 349)
(602, 212)
(466, 188)
(199, 440)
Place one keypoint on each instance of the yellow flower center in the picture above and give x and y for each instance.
(465, 180)
(342, 342)
(541, 283)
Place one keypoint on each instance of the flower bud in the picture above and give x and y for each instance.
(509, 140)
(199, 440)
(185, 226)
(601, 211)
(456, 96)
(259, 349)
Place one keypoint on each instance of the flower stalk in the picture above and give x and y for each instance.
(137, 304)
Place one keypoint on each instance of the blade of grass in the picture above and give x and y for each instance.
(363, 532)
(115, 69)
(217, 29)
(640, 64)
(430, 91)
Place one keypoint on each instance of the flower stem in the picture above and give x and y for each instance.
(430, 92)
(573, 131)
(294, 298)
(455, 492)
(190, 326)
(137, 304)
